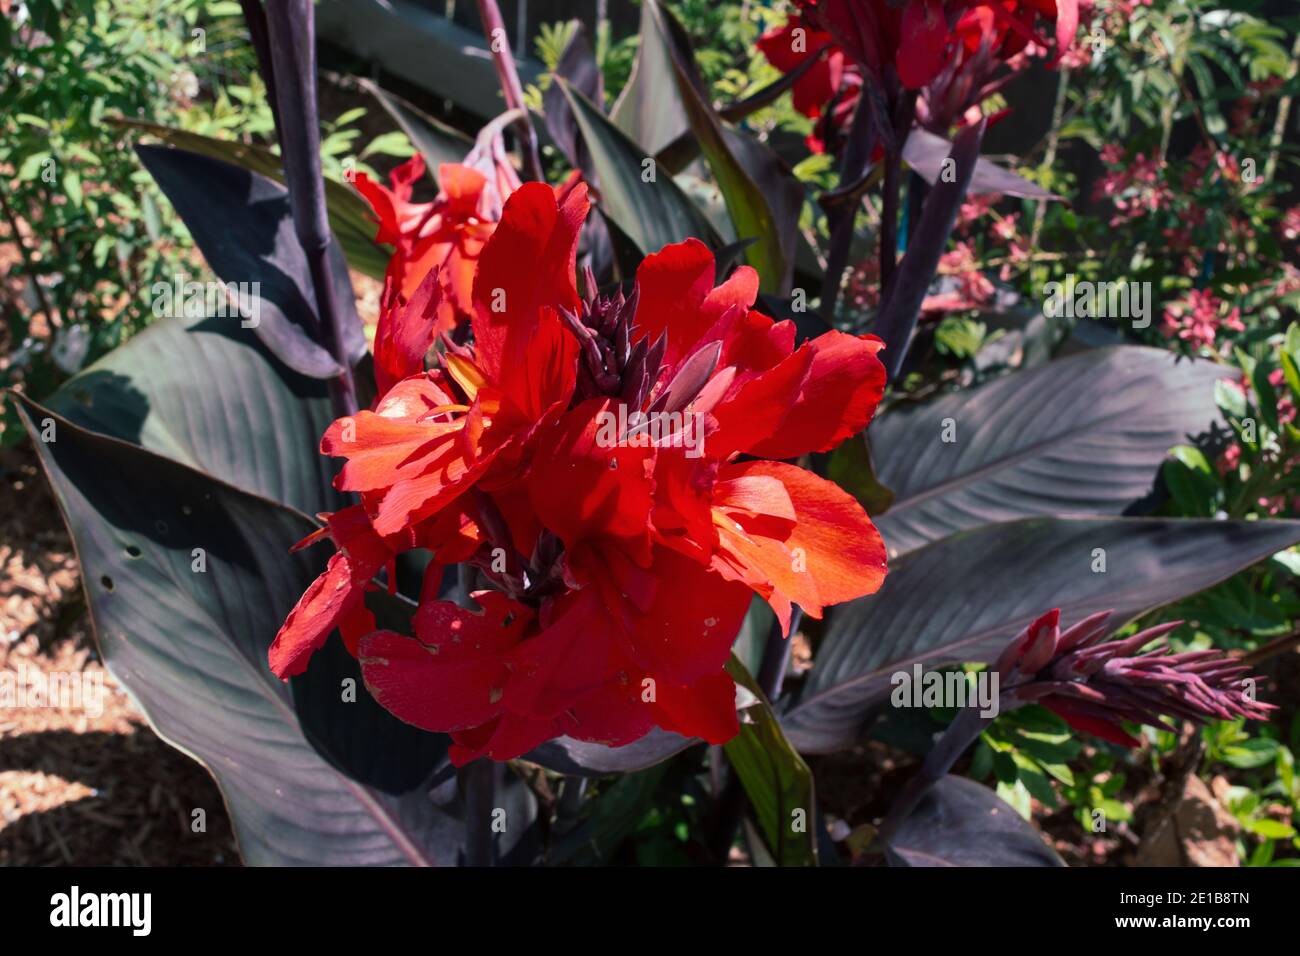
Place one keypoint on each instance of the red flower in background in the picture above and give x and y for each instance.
(623, 557)
(827, 90)
(911, 44)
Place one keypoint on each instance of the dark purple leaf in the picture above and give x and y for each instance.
(578, 67)
(189, 641)
(961, 823)
(965, 597)
(925, 153)
(242, 224)
(1081, 435)
(579, 758)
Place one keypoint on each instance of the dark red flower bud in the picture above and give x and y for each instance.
(1095, 684)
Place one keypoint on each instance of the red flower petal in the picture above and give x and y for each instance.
(843, 387)
(677, 297)
(452, 676)
(706, 709)
(525, 272)
(503, 738)
(589, 483)
(688, 628)
(922, 43)
(832, 552)
(1090, 724)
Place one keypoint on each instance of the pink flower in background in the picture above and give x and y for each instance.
(1290, 227)
(1230, 460)
(1005, 227)
(1198, 319)
(1285, 405)
(974, 207)
(974, 288)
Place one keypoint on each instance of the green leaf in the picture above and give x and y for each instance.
(72, 186)
(776, 779)
(1271, 829)
(610, 819)
(850, 466)
(1255, 752)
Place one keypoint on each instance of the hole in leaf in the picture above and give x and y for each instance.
(107, 582)
(132, 551)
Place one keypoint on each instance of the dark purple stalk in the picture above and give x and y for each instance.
(478, 786)
(961, 733)
(904, 111)
(901, 305)
(292, 39)
(513, 90)
(255, 18)
(842, 205)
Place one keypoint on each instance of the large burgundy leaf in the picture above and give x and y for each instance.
(960, 823)
(1081, 435)
(351, 219)
(578, 67)
(963, 598)
(242, 224)
(187, 579)
(206, 393)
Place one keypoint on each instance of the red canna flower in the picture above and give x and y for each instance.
(1094, 684)
(583, 455)
(788, 47)
(911, 44)
(444, 236)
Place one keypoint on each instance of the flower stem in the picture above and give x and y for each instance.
(961, 733)
(494, 31)
(291, 27)
(478, 784)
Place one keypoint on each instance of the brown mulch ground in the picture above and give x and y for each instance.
(92, 786)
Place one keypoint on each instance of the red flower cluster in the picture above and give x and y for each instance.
(601, 463)
(911, 44)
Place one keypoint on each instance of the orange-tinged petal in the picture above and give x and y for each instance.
(676, 297)
(831, 554)
(383, 451)
(843, 386)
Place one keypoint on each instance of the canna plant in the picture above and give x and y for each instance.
(601, 463)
